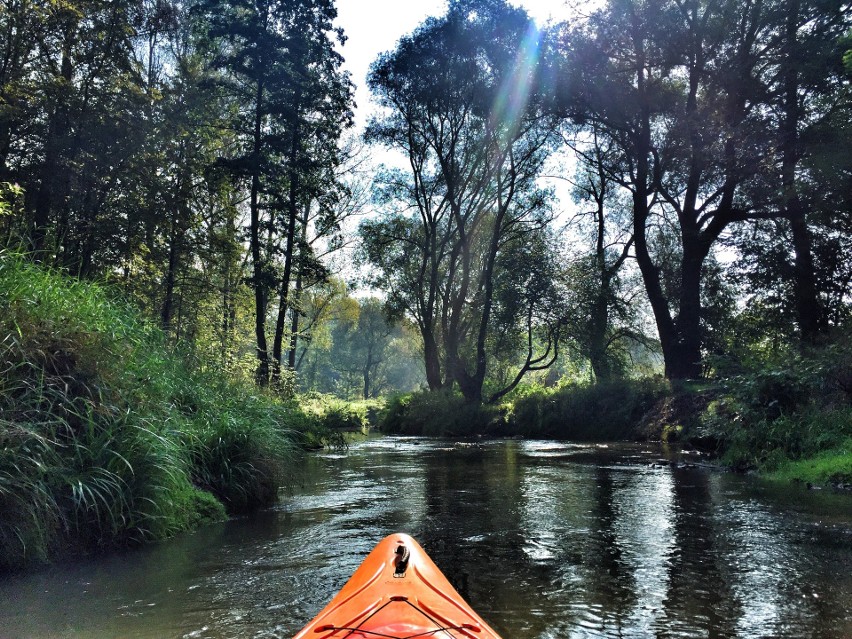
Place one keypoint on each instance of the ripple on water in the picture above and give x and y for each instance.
(548, 540)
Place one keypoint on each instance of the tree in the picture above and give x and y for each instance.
(791, 268)
(366, 342)
(458, 104)
(322, 233)
(676, 88)
(281, 68)
(807, 72)
(71, 118)
(531, 305)
(319, 109)
(604, 319)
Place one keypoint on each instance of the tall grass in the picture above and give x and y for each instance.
(108, 438)
(595, 412)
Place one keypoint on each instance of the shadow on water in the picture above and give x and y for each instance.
(546, 540)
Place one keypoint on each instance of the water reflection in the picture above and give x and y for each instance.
(546, 540)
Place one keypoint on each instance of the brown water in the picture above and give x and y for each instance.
(546, 540)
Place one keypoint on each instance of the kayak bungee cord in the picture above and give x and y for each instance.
(428, 633)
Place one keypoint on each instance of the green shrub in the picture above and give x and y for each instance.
(441, 413)
(530, 412)
(772, 418)
(604, 411)
(393, 419)
(328, 419)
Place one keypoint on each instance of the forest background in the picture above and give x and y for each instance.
(198, 161)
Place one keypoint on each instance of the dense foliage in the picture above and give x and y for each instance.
(107, 437)
(191, 155)
(795, 410)
(469, 210)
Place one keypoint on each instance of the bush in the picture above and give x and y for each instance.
(604, 411)
(769, 418)
(329, 419)
(441, 413)
(108, 438)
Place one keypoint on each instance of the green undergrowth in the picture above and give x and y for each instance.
(594, 412)
(333, 419)
(109, 438)
(441, 413)
(791, 420)
(577, 412)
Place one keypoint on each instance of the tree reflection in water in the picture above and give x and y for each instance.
(546, 540)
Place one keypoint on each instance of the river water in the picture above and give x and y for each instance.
(546, 541)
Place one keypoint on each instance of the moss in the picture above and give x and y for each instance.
(201, 507)
(829, 466)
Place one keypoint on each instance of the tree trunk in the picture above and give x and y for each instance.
(51, 170)
(171, 270)
(259, 275)
(684, 362)
(598, 323)
(432, 360)
(367, 383)
(806, 300)
(366, 373)
(297, 294)
(284, 284)
(599, 320)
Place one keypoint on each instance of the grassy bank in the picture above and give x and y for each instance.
(439, 414)
(585, 412)
(790, 421)
(107, 438)
(602, 412)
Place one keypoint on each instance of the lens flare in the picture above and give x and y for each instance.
(514, 94)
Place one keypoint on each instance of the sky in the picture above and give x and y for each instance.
(374, 26)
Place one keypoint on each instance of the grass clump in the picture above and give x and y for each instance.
(106, 437)
(441, 413)
(595, 412)
(331, 419)
(829, 466)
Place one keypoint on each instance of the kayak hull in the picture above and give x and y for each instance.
(397, 592)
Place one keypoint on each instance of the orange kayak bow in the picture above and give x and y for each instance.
(397, 593)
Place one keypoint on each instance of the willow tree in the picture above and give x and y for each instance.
(459, 103)
(604, 319)
(676, 87)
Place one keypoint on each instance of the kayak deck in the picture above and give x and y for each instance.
(397, 593)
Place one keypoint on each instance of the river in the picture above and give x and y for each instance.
(546, 540)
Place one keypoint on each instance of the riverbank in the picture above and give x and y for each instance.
(109, 437)
(790, 422)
